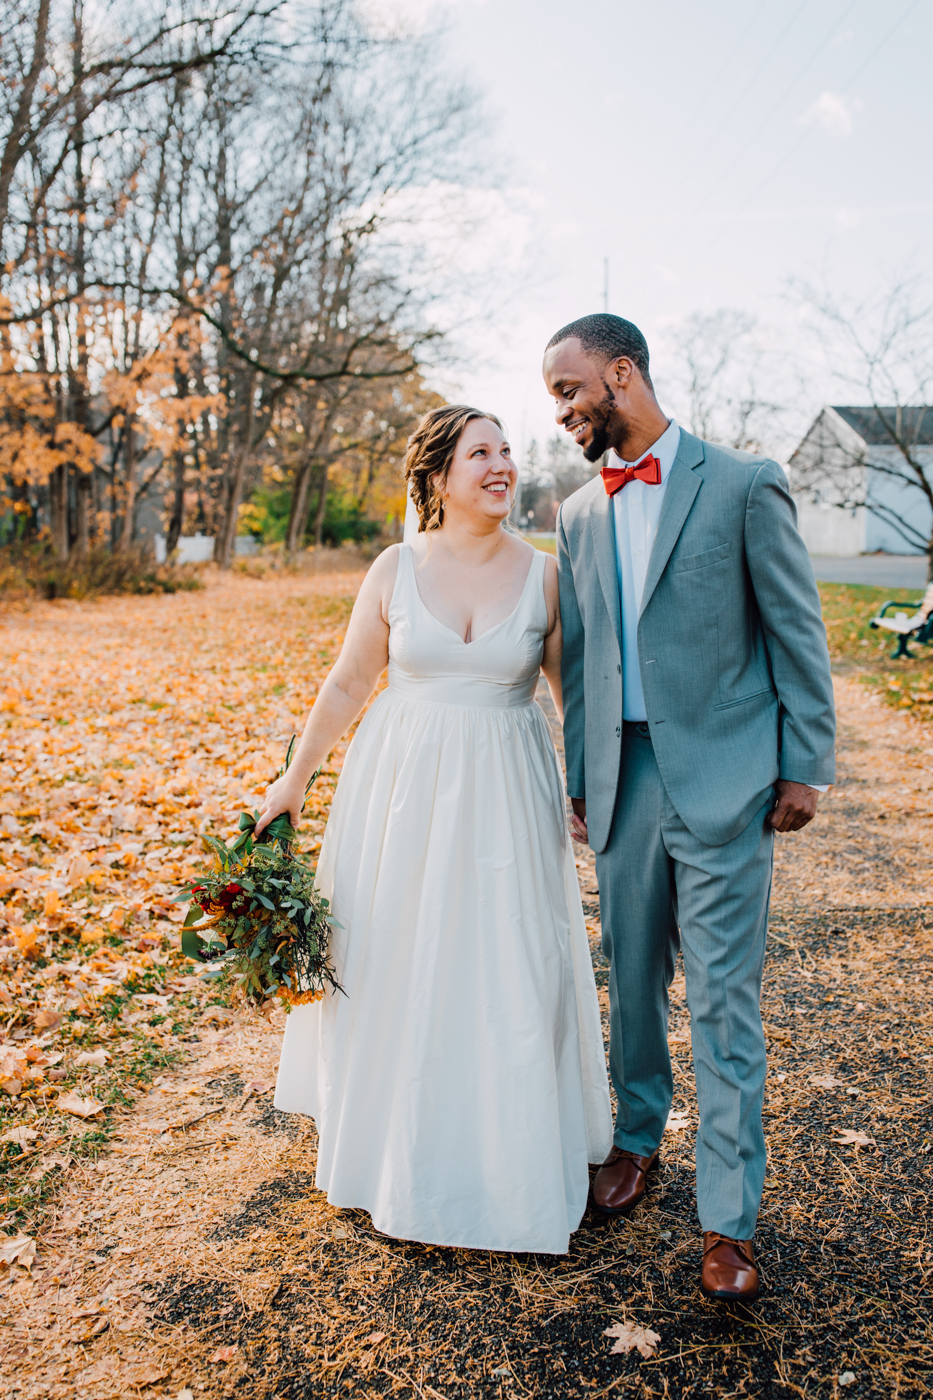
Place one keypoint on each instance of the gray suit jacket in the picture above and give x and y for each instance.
(731, 645)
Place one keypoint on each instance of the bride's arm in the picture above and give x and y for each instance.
(553, 641)
(343, 695)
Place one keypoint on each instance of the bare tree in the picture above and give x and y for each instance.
(877, 454)
(47, 99)
(723, 380)
(200, 230)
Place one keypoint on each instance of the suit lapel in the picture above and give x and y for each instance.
(602, 517)
(679, 495)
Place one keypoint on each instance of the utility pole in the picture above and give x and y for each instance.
(605, 284)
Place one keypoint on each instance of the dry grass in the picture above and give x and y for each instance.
(198, 1254)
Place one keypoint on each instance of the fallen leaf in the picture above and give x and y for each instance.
(223, 1354)
(375, 1338)
(46, 1020)
(92, 933)
(79, 868)
(93, 1057)
(100, 1371)
(676, 1123)
(825, 1081)
(13, 1069)
(847, 1378)
(20, 1135)
(17, 1249)
(185, 1394)
(849, 1137)
(148, 1375)
(630, 1337)
(70, 1102)
(52, 903)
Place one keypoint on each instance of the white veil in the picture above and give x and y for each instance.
(411, 522)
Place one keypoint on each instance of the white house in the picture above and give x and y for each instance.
(855, 491)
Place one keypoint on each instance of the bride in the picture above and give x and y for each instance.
(459, 1088)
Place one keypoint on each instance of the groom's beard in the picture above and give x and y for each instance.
(601, 419)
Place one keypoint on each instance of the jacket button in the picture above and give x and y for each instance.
(618, 730)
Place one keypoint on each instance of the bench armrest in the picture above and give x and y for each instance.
(896, 603)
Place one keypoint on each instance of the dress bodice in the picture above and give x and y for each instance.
(428, 661)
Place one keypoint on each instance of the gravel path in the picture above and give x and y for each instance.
(199, 1260)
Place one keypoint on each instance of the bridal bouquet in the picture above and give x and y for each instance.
(259, 917)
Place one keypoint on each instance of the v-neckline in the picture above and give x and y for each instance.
(452, 630)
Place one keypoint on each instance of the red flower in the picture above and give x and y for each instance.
(228, 895)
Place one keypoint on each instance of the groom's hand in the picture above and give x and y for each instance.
(795, 806)
(578, 821)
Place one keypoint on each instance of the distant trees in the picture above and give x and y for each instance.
(547, 478)
(200, 284)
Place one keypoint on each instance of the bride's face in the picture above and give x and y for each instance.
(482, 476)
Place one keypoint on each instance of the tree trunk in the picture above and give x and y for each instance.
(223, 550)
(83, 514)
(129, 506)
(298, 512)
(178, 505)
(321, 507)
(58, 508)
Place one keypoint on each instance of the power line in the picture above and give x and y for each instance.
(765, 4)
(676, 145)
(853, 79)
(780, 102)
(754, 77)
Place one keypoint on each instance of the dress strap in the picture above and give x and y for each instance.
(535, 603)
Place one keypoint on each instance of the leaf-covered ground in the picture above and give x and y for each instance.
(171, 1241)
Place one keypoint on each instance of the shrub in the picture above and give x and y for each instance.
(34, 569)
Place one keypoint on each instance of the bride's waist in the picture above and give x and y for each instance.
(474, 692)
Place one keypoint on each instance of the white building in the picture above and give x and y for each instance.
(855, 491)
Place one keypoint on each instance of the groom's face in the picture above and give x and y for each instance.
(586, 405)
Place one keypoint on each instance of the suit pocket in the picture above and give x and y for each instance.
(700, 561)
(744, 699)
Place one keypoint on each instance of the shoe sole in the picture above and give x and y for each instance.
(721, 1295)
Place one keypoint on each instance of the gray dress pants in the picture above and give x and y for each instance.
(660, 889)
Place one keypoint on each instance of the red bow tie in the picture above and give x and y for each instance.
(648, 469)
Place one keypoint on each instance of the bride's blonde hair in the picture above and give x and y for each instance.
(430, 452)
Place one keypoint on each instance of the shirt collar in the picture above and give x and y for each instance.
(665, 449)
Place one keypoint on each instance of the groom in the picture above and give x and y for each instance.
(698, 720)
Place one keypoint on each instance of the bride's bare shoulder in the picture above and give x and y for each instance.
(385, 565)
(381, 575)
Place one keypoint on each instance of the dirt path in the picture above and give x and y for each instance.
(196, 1259)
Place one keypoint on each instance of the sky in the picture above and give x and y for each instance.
(712, 152)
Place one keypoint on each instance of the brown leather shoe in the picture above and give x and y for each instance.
(620, 1181)
(729, 1270)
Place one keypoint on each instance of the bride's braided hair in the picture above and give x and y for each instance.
(430, 452)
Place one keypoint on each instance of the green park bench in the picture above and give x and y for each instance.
(917, 623)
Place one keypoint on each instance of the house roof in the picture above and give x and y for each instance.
(916, 424)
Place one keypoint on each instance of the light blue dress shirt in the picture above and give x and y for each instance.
(637, 510)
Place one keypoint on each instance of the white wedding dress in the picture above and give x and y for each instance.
(459, 1088)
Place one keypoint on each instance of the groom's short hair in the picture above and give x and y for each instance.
(607, 338)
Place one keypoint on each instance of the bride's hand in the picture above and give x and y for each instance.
(286, 794)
